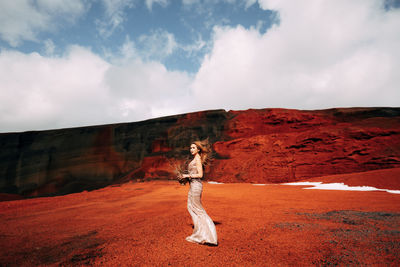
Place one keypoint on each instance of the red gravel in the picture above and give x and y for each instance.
(146, 224)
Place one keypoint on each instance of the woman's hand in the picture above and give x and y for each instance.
(182, 178)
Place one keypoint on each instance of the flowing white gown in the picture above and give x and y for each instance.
(204, 229)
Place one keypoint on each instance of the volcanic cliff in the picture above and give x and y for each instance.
(259, 146)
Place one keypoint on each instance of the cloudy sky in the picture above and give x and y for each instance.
(87, 62)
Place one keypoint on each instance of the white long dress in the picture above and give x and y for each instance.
(204, 229)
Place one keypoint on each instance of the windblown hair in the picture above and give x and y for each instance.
(204, 148)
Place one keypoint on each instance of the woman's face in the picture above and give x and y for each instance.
(193, 149)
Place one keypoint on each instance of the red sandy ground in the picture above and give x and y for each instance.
(146, 224)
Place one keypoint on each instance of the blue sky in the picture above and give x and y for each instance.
(104, 26)
(85, 62)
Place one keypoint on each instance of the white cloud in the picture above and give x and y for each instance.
(115, 15)
(80, 88)
(190, 2)
(49, 47)
(158, 45)
(246, 3)
(128, 49)
(72, 7)
(193, 48)
(40, 92)
(148, 89)
(149, 3)
(322, 54)
(249, 3)
(22, 20)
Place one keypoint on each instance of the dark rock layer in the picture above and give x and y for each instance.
(268, 145)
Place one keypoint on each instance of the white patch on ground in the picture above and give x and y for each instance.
(212, 182)
(303, 183)
(340, 186)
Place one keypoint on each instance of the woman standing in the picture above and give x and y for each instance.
(204, 231)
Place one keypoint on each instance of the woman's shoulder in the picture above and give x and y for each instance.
(197, 159)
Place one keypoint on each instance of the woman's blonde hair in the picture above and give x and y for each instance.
(204, 148)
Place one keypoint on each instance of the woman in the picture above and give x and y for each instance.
(204, 231)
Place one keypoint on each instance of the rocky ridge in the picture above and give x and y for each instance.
(258, 146)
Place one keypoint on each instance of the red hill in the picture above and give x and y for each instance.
(260, 146)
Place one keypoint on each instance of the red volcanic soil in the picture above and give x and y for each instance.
(146, 224)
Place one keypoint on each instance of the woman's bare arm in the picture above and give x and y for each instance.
(199, 167)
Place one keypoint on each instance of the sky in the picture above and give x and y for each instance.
(88, 62)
